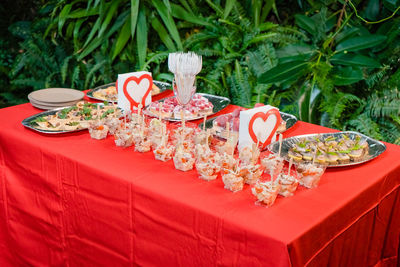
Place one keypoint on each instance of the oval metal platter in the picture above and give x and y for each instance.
(28, 121)
(162, 85)
(375, 147)
(219, 103)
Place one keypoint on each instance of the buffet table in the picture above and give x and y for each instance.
(69, 200)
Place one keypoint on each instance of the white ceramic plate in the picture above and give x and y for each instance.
(56, 95)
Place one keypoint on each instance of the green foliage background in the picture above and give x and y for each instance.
(329, 62)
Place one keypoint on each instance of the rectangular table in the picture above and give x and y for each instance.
(69, 200)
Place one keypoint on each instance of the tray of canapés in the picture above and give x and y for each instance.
(218, 124)
(71, 119)
(108, 92)
(331, 149)
(201, 105)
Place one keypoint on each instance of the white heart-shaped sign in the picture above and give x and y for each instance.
(263, 129)
(138, 91)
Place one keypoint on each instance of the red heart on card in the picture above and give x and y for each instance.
(142, 89)
(266, 123)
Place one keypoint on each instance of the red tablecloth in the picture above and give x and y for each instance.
(69, 200)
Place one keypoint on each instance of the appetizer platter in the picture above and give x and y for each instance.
(108, 92)
(218, 124)
(70, 119)
(201, 105)
(331, 149)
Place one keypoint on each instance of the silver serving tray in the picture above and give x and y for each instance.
(162, 85)
(27, 122)
(375, 147)
(288, 118)
(219, 103)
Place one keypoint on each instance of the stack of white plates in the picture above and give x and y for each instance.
(52, 98)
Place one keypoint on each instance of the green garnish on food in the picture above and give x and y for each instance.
(330, 138)
(62, 114)
(332, 153)
(73, 123)
(105, 103)
(107, 112)
(356, 147)
(38, 119)
(344, 151)
(89, 105)
(86, 111)
(302, 144)
(88, 118)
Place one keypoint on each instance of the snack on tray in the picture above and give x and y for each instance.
(98, 130)
(74, 117)
(265, 192)
(108, 94)
(273, 163)
(330, 150)
(288, 184)
(232, 180)
(309, 174)
(198, 106)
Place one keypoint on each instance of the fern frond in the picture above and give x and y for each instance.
(384, 105)
(262, 59)
(337, 105)
(30, 82)
(366, 125)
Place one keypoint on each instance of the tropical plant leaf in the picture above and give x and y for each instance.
(141, 38)
(305, 23)
(122, 39)
(98, 41)
(282, 72)
(163, 34)
(62, 17)
(362, 42)
(180, 13)
(350, 59)
(134, 15)
(112, 10)
(348, 75)
(295, 52)
(169, 22)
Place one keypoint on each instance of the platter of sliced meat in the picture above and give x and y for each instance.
(201, 105)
